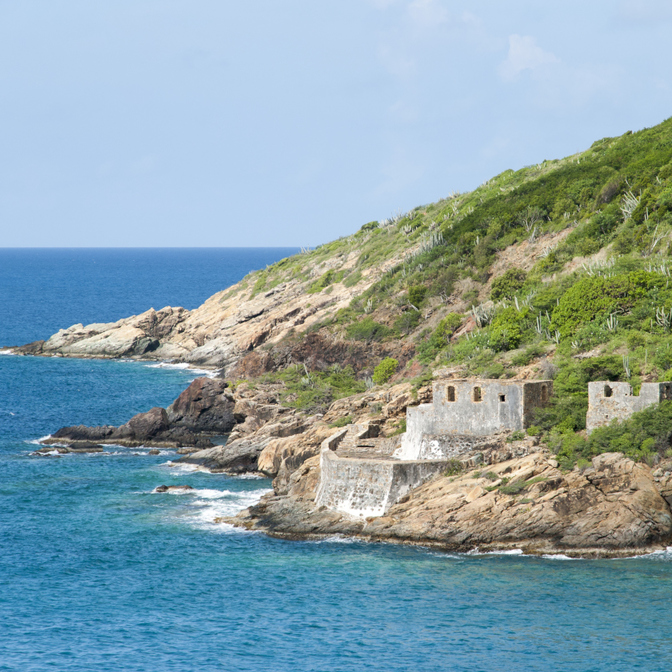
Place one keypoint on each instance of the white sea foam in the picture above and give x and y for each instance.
(183, 366)
(208, 507)
(180, 468)
(557, 556)
(7, 352)
(662, 554)
(513, 551)
(340, 539)
(38, 442)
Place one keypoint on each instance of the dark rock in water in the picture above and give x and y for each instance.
(83, 433)
(154, 451)
(238, 457)
(84, 447)
(205, 406)
(172, 488)
(145, 426)
(34, 348)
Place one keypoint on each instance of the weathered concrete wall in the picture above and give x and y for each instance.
(365, 488)
(419, 421)
(447, 447)
(479, 408)
(609, 401)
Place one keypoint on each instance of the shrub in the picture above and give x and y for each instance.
(324, 281)
(385, 370)
(407, 321)
(525, 357)
(506, 331)
(368, 330)
(453, 468)
(507, 285)
(416, 295)
(439, 339)
(639, 437)
(593, 297)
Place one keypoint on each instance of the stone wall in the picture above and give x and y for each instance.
(609, 401)
(448, 447)
(481, 408)
(368, 487)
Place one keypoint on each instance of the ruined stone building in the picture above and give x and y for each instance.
(463, 414)
(363, 475)
(609, 401)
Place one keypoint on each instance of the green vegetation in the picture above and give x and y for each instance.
(593, 301)
(385, 370)
(506, 286)
(342, 422)
(517, 487)
(368, 330)
(646, 436)
(313, 391)
(324, 281)
(453, 468)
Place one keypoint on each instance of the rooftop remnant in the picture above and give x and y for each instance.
(609, 401)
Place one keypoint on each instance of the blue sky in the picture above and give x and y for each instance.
(293, 122)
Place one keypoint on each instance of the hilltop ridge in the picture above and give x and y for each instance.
(558, 269)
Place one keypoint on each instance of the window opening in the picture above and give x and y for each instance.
(608, 391)
(451, 393)
(502, 397)
(544, 393)
(477, 394)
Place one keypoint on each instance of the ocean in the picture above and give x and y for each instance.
(99, 573)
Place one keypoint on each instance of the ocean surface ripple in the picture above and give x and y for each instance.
(98, 572)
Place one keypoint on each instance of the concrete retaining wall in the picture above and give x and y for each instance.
(366, 488)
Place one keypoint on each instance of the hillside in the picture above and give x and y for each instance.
(556, 270)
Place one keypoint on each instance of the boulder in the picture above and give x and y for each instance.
(146, 426)
(82, 433)
(205, 406)
(172, 488)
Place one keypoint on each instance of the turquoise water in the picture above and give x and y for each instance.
(98, 573)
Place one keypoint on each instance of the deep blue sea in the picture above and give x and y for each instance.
(99, 574)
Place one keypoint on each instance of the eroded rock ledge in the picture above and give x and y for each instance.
(614, 508)
(518, 499)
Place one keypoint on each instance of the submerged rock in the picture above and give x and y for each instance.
(172, 488)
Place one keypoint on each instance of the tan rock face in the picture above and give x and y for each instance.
(225, 329)
(614, 504)
(614, 507)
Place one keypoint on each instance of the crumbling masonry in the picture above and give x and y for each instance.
(609, 401)
(363, 476)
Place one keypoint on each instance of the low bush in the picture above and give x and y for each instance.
(385, 370)
(429, 348)
(640, 437)
(368, 330)
(506, 286)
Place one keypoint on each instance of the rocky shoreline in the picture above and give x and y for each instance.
(520, 499)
